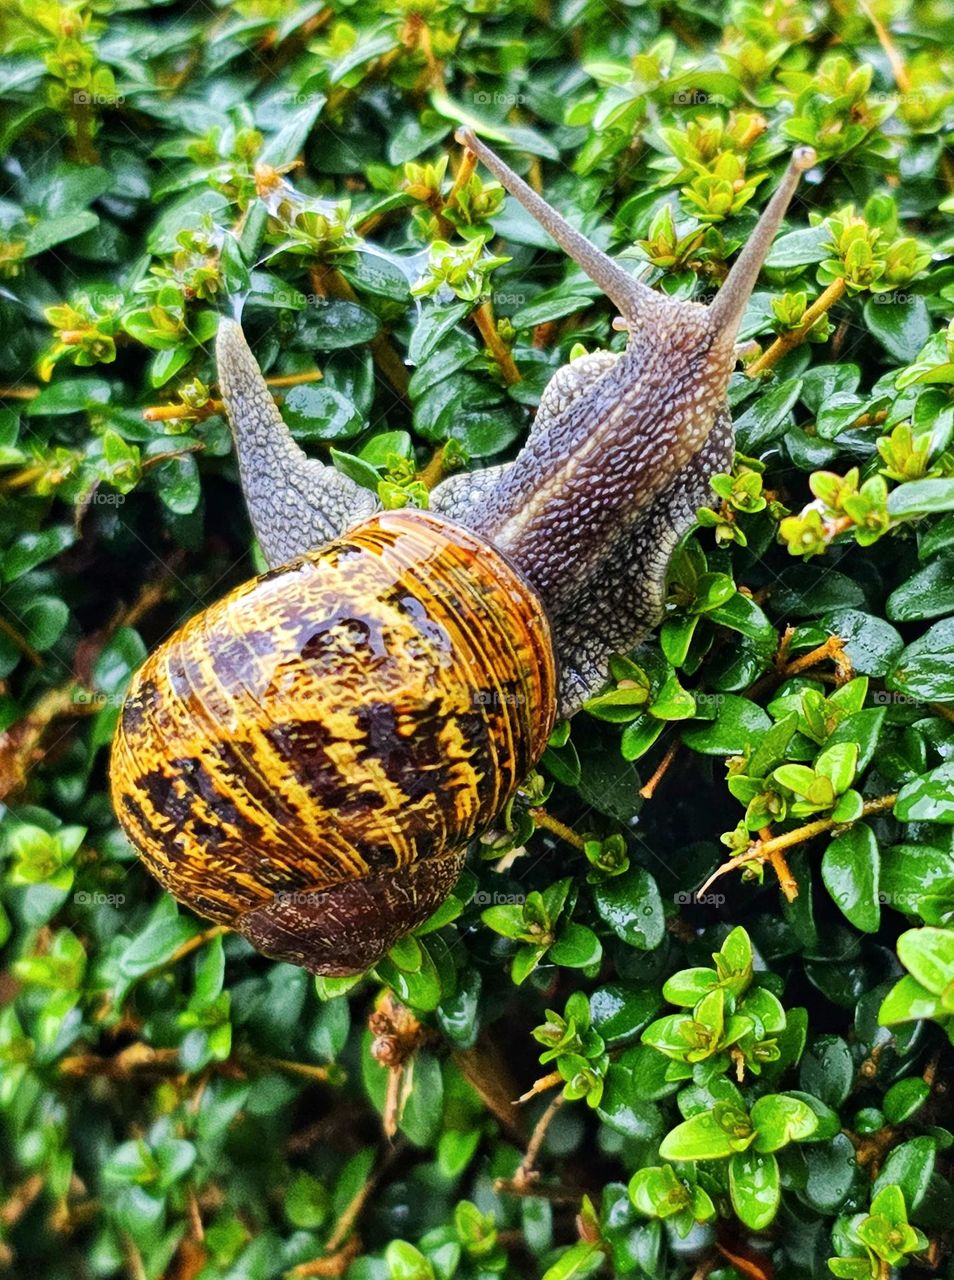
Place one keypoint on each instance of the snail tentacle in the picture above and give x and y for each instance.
(728, 306)
(296, 503)
(635, 300)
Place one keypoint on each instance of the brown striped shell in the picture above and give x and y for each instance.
(307, 759)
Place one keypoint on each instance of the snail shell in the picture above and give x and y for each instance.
(307, 759)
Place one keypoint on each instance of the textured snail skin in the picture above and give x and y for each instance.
(307, 759)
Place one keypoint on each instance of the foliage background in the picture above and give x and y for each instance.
(173, 1104)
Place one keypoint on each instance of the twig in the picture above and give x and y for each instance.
(311, 1070)
(333, 1254)
(898, 69)
(761, 851)
(190, 945)
(526, 1172)
(779, 863)
(433, 471)
(485, 1070)
(21, 643)
(541, 1086)
(328, 281)
(834, 648)
(789, 341)
(648, 790)
(558, 828)
(484, 320)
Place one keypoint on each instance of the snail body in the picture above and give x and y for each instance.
(307, 759)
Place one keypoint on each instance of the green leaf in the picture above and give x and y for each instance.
(872, 645)
(907, 1001)
(929, 798)
(908, 1168)
(925, 670)
(918, 498)
(755, 1188)
(333, 325)
(32, 549)
(157, 943)
(905, 1098)
(576, 947)
(926, 594)
(902, 328)
(631, 906)
(702, 1137)
(780, 1119)
(738, 721)
(851, 869)
(827, 1070)
(766, 417)
(929, 956)
(314, 412)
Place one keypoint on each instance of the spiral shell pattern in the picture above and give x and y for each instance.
(369, 707)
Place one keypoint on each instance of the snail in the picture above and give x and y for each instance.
(307, 759)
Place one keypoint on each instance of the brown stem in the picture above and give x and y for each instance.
(466, 168)
(327, 281)
(82, 117)
(540, 1191)
(310, 1070)
(169, 454)
(789, 341)
(484, 320)
(183, 412)
(786, 881)
(347, 1220)
(834, 647)
(525, 1170)
(541, 1086)
(19, 393)
(947, 170)
(898, 69)
(765, 850)
(558, 828)
(21, 643)
(433, 471)
(649, 789)
(485, 1070)
(294, 379)
(190, 945)
(20, 1200)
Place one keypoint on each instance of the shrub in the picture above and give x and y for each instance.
(711, 944)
